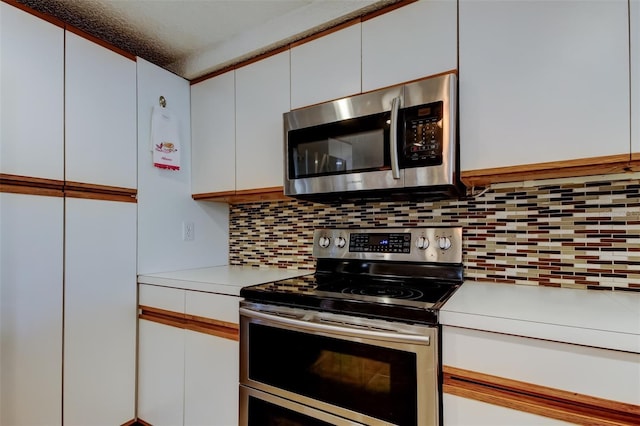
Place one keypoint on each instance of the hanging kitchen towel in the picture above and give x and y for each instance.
(165, 139)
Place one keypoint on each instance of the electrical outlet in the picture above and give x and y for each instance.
(188, 231)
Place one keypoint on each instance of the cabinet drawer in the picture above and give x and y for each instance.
(170, 299)
(214, 306)
(585, 370)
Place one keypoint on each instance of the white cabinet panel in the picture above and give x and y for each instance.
(542, 81)
(100, 312)
(612, 374)
(213, 134)
(217, 306)
(634, 11)
(262, 96)
(326, 68)
(31, 237)
(458, 411)
(31, 95)
(169, 299)
(411, 42)
(211, 380)
(100, 115)
(161, 373)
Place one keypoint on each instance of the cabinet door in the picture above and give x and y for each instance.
(542, 81)
(213, 135)
(411, 42)
(634, 10)
(458, 411)
(211, 380)
(100, 312)
(31, 95)
(262, 96)
(160, 374)
(31, 239)
(326, 68)
(100, 115)
(211, 364)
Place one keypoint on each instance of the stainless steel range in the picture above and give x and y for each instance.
(357, 342)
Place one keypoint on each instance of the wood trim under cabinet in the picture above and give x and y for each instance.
(226, 330)
(244, 196)
(100, 192)
(28, 185)
(540, 400)
(551, 170)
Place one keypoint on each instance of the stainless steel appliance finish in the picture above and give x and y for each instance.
(359, 338)
(396, 142)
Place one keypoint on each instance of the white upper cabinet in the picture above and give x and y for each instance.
(31, 95)
(542, 81)
(100, 115)
(326, 68)
(262, 96)
(213, 134)
(635, 75)
(411, 42)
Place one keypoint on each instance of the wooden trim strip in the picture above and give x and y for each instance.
(541, 400)
(304, 40)
(30, 185)
(244, 196)
(551, 170)
(387, 9)
(325, 33)
(99, 41)
(100, 192)
(43, 16)
(226, 330)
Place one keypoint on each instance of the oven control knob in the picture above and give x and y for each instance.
(324, 242)
(340, 242)
(422, 243)
(444, 243)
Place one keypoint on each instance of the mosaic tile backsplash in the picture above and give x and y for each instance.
(562, 235)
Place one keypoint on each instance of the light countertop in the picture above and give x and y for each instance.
(598, 318)
(220, 279)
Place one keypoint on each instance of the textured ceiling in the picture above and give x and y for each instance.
(194, 37)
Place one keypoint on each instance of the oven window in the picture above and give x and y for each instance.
(377, 381)
(337, 148)
(262, 413)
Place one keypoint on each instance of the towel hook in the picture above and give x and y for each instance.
(162, 101)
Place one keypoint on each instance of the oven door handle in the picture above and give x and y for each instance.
(311, 324)
(393, 138)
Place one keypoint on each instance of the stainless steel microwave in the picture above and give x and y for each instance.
(396, 143)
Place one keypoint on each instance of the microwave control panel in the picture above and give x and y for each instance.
(421, 143)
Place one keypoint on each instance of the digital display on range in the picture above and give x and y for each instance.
(382, 243)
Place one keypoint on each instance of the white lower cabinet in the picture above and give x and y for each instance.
(579, 370)
(187, 377)
(459, 411)
(99, 312)
(31, 239)
(160, 374)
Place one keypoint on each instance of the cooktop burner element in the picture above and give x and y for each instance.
(400, 273)
(376, 290)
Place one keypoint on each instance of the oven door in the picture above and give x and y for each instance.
(372, 372)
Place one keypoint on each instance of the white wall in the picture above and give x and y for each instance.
(164, 196)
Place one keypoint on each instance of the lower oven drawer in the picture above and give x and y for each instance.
(260, 408)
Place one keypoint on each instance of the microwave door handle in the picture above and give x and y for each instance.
(393, 137)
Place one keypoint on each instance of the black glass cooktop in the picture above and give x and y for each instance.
(415, 300)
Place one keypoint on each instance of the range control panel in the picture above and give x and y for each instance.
(433, 244)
